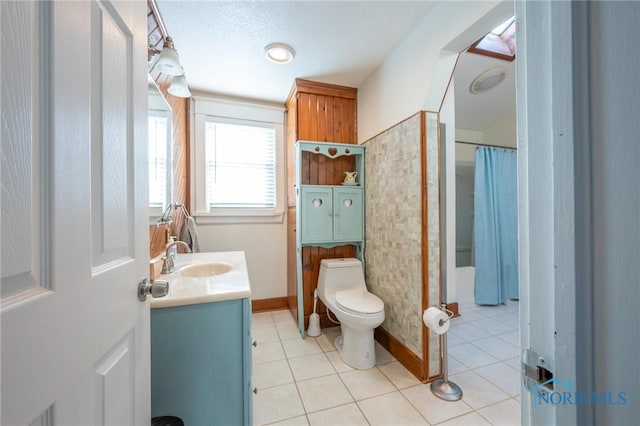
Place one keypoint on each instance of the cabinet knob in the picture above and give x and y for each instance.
(255, 343)
(255, 390)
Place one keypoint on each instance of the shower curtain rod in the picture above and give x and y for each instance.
(486, 144)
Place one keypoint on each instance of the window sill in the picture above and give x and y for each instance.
(206, 218)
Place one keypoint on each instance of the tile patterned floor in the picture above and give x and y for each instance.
(305, 382)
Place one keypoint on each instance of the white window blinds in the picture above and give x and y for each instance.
(240, 166)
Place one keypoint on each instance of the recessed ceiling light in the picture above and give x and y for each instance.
(488, 80)
(280, 53)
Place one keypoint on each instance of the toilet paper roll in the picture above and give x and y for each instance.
(436, 320)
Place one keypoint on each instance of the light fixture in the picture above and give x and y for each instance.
(179, 87)
(168, 63)
(487, 80)
(279, 53)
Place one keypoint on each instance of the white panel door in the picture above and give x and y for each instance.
(75, 337)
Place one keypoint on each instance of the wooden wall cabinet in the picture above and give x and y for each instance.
(316, 112)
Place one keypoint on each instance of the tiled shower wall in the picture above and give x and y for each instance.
(393, 251)
(432, 162)
(393, 239)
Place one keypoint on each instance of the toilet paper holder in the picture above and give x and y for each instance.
(449, 313)
(443, 388)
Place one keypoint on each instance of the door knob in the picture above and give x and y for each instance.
(157, 288)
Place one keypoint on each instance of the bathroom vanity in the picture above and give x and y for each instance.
(201, 342)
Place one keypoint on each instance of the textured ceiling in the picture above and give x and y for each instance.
(221, 43)
(477, 112)
(221, 46)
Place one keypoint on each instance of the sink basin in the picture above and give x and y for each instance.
(205, 269)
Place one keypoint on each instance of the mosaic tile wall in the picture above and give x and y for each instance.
(433, 214)
(393, 251)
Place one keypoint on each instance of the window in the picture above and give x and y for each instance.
(159, 180)
(240, 166)
(498, 43)
(238, 162)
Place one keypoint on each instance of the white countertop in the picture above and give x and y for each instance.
(190, 290)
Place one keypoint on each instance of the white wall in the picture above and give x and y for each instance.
(503, 131)
(413, 75)
(265, 247)
(448, 117)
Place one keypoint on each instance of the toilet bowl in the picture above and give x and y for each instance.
(342, 289)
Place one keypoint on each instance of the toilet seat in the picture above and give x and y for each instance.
(359, 301)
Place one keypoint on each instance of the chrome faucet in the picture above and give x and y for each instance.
(168, 265)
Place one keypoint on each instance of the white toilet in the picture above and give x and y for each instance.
(342, 288)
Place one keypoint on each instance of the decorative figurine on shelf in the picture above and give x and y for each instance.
(350, 178)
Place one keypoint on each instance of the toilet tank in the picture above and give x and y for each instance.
(340, 274)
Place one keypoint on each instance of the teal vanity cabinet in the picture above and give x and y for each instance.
(201, 363)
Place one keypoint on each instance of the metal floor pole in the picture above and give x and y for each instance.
(443, 388)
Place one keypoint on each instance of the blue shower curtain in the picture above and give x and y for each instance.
(495, 224)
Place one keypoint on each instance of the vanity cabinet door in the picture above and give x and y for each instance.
(317, 213)
(348, 214)
(201, 363)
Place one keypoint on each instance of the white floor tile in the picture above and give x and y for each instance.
(271, 374)
(267, 352)
(471, 356)
(332, 331)
(514, 362)
(391, 409)
(289, 332)
(513, 306)
(300, 347)
(366, 383)
(265, 335)
(311, 366)
(510, 318)
(296, 421)
(275, 404)
(453, 339)
(398, 375)
(505, 413)
(348, 414)
(382, 355)
(503, 376)
(302, 382)
(497, 348)
(262, 320)
(468, 315)
(477, 392)
(491, 326)
(469, 332)
(434, 409)
(512, 337)
(454, 366)
(471, 419)
(283, 317)
(492, 311)
(326, 342)
(337, 362)
(323, 392)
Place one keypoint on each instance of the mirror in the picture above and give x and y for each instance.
(160, 153)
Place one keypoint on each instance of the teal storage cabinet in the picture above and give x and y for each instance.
(331, 214)
(201, 363)
(327, 215)
(348, 212)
